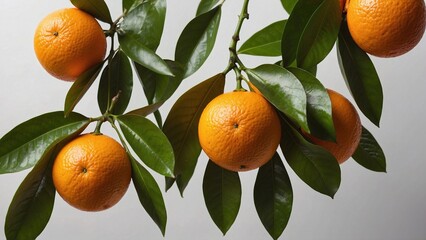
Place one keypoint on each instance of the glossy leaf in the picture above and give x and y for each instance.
(145, 111)
(360, 76)
(80, 87)
(266, 42)
(222, 195)
(116, 80)
(320, 119)
(181, 126)
(273, 196)
(310, 32)
(149, 143)
(25, 144)
(313, 164)
(283, 90)
(32, 205)
(138, 52)
(197, 40)
(206, 5)
(288, 5)
(145, 22)
(96, 8)
(369, 154)
(157, 87)
(129, 5)
(149, 194)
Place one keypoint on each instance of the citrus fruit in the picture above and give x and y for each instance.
(68, 42)
(386, 28)
(92, 172)
(347, 125)
(239, 131)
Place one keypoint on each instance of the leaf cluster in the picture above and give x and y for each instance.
(172, 149)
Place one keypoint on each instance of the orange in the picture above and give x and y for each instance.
(239, 131)
(68, 42)
(386, 28)
(347, 125)
(92, 172)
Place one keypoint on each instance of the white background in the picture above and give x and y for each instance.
(368, 205)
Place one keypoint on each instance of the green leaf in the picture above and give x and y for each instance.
(206, 5)
(320, 119)
(313, 164)
(149, 143)
(145, 111)
(157, 87)
(129, 5)
(146, 22)
(283, 90)
(360, 76)
(80, 87)
(181, 126)
(369, 154)
(266, 42)
(25, 144)
(273, 196)
(288, 5)
(222, 195)
(96, 8)
(197, 40)
(116, 80)
(138, 52)
(32, 205)
(310, 32)
(149, 194)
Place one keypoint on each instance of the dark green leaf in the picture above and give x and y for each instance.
(181, 126)
(222, 195)
(149, 194)
(283, 90)
(313, 164)
(206, 5)
(318, 109)
(96, 8)
(273, 196)
(138, 52)
(145, 111)
(129, 5)
(288, 5)
(145, 22)
(369, 154)
(117, 78)
(24, 145)
(360, 76)
(266, 42)
(197, 40)
(32, 205)
(311, 32)
(80, 87)
(149, 143)
(157, 87)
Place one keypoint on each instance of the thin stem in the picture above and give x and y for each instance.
(234, 61)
